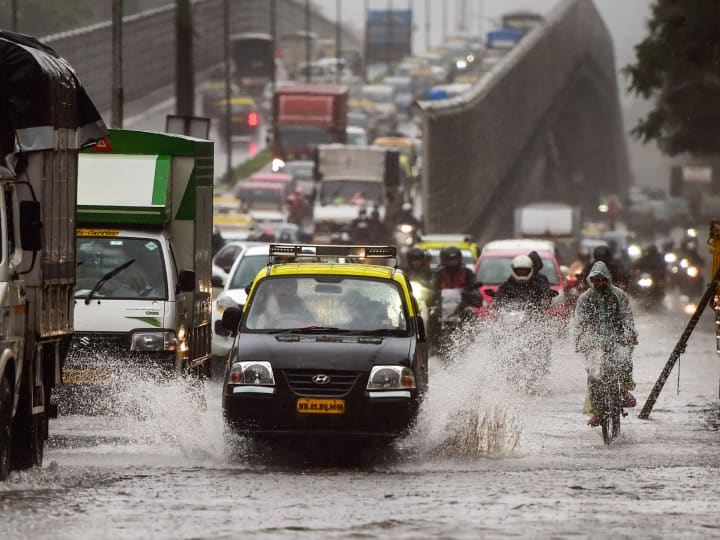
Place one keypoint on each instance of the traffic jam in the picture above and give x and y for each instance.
(180, 339)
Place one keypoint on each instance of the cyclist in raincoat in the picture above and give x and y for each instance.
(605, 328)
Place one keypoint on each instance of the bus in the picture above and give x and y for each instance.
(253, 54)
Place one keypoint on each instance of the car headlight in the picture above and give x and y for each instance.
(670, 258)
(419, 291)
(391, 378)
(222, 303)
(153, 341)
(406, 228)
(252, 373)
(645, 282)
(693, 271)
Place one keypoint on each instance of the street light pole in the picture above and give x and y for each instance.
(117, 65)
(365, 42)
(14, 22)
(273, 38)
(428, 16)
(338, 41)
(226, 119)
(308, 74)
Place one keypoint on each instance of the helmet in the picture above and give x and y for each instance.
(521, 268)
(601, 253)
(406, 207)
(415, 254)
(450, 256)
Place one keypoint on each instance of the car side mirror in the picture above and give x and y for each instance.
(217, 281)
(186, 281)
(231, 319)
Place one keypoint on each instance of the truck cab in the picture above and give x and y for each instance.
(143, 289)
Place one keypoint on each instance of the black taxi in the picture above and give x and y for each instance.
(327, 344)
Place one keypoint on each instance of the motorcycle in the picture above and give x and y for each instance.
(405, 236)
(648, 290)
(524, 344)
(688, 279)
(446, 318)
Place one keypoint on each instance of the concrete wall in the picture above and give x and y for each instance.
(149, 43)
(517, 135)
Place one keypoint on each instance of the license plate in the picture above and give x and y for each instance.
(87, 376)
(320, 406)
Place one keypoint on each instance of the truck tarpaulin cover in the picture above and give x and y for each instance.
(305, 110)
(355, 162)
(39, 93)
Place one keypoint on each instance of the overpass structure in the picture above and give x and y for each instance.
(149, 43)
(544, 124)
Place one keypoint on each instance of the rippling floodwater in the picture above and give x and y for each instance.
(485, 461)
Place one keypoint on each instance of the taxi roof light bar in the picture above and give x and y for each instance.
(292, 251)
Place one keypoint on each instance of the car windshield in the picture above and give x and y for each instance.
(350, 192)
(340, 303)
(120, 268)
(303, 136)
(496, 270)
(246, 270)
(356, 138)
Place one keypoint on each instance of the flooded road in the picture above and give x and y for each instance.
(525, 466)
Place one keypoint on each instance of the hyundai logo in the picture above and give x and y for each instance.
(321, 379)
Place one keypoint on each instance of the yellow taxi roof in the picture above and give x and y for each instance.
(240, 101)
(470, 246)
(339, 269)
(393, 141)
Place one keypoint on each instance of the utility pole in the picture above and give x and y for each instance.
(184, 72)
(338, 41)
(388, 44)
(308, 71)
(444, 20)
(226, 119)
(273, 37)
(14, 22)
(365, 42)
(117, 65)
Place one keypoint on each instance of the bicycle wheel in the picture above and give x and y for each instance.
(606, 430)
(616, 425)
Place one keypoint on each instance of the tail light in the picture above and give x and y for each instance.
(252, 119)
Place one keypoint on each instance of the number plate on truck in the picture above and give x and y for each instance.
(320, 406)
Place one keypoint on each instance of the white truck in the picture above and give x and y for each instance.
(45, 117)
(559, 222)
(351, 178)
(144, 291)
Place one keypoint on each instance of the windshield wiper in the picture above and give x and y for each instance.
(111, 274)
(311, 330)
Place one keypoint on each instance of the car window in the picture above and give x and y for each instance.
(246, 270)
(349, 303)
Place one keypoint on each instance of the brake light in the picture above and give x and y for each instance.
(252, 119)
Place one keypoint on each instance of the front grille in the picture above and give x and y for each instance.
(300, 381)
(101, 342)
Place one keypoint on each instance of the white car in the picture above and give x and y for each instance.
(241, 276)
(223, 260)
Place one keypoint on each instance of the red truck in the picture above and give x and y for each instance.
(306, 115)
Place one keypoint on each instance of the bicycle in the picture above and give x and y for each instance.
(607, 397)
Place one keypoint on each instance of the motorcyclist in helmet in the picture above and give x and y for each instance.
(520, 289)
(603, 254)
(406, 216)
(417, 268)
(452, 274)
(539, 280)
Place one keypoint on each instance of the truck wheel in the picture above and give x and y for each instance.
(6, 403)
(28, 438)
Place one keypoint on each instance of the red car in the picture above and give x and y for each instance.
(493, 268)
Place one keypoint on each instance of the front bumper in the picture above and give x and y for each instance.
(273, 411)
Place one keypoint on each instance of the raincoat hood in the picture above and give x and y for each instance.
(599, 269)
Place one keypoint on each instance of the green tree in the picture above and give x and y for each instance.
(678, 67)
